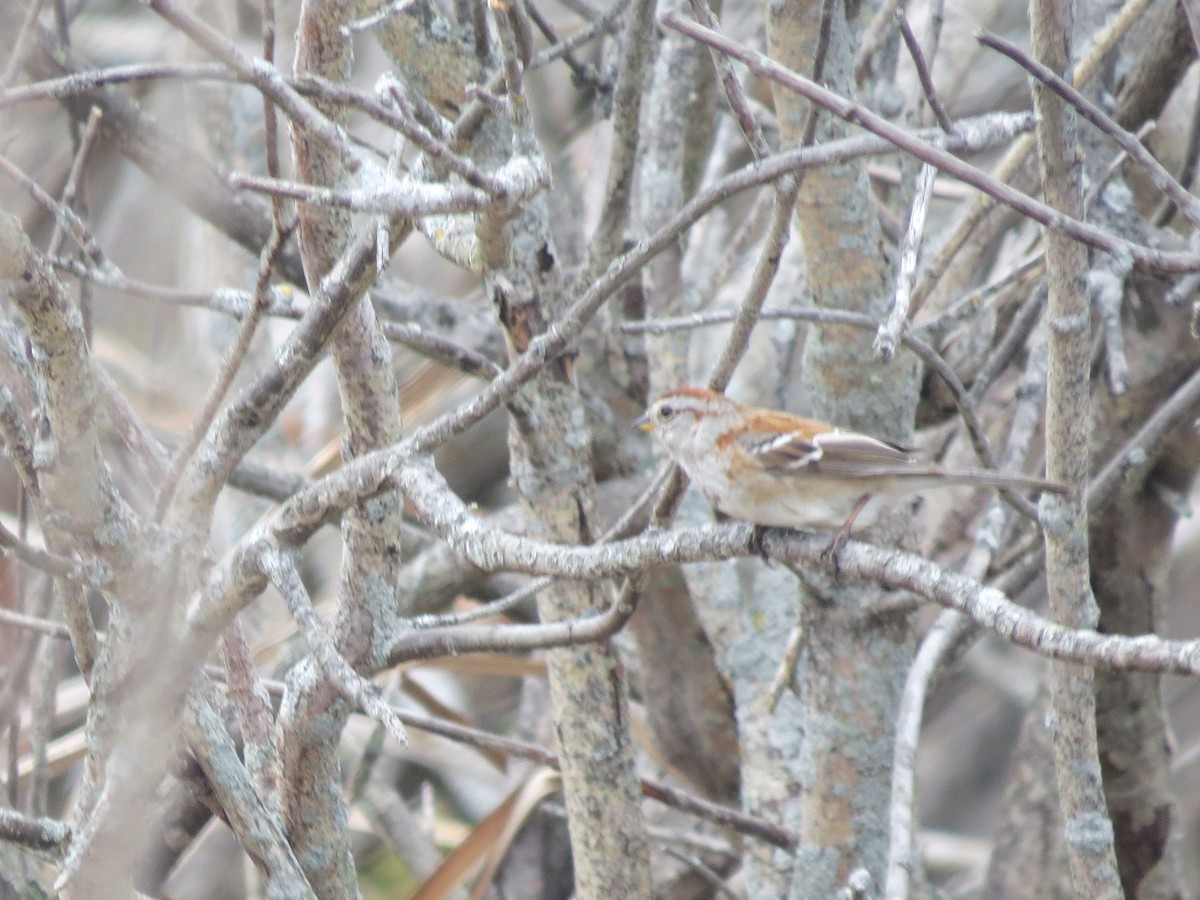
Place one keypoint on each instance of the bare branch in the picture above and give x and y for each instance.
(1089, 831)
(47, 837)
(1164, 262)
(923, 74)
(889, 331)
(365, 694)
(1158, 173)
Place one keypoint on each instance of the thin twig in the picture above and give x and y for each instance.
(282, 303)
(1187, 172)
(824, 36)
(512, 67)
(582, 74)
(779, 228)
(638, 44)
(924, 76)
(415, 199)
(874, 37)
(83, 82)
(50, 563)
(71, 189)
(1017, 277)
(268, 81)
(935, 14)
(721, 815)
(787, 666)
(436, 642)
(889, 332)
(488, 610)
(271, 124)
(1096, 188)
(392, 93)
(1141, 452)
(63, 215)
(765, 270)
(281, 571)
(228, 368)
(35, 623)
(942, 635)
(787, 189)
(1145, 258)
(1090, 60)
(732, 85)
(1137, 151)
(20, 43)
(1012, 342)
(602, 24)
(441, 350)
(1106, 284)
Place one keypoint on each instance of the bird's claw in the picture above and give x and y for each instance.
(833, 551)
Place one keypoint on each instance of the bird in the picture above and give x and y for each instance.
(776, 469)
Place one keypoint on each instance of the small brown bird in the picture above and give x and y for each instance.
(776, 469)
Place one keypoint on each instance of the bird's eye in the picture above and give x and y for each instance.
(665, 412)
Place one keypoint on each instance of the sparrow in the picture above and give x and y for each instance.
(776, 469)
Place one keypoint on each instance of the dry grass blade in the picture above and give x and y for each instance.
(486, 845)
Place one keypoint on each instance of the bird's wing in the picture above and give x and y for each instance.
(844, 454)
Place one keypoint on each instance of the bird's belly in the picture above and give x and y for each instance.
(815, 508)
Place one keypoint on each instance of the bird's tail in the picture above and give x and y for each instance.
(992, 478)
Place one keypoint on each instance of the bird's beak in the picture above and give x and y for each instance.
(643, 422)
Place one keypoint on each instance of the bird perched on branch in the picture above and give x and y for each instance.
(776, 469)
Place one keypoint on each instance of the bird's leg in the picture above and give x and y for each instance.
(838, 544)
(757, 535)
